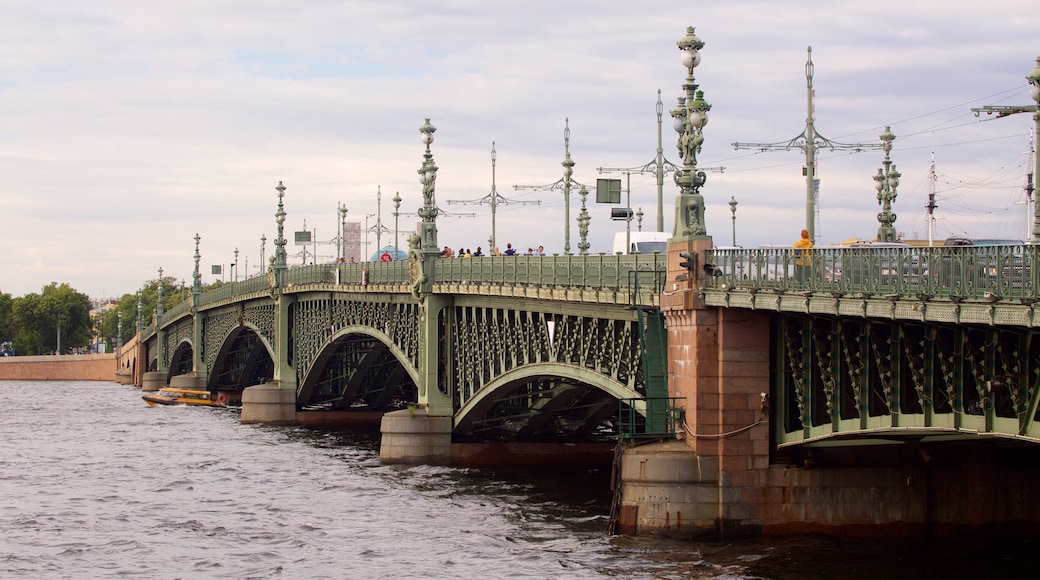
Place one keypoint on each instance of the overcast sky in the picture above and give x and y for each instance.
(128, 127)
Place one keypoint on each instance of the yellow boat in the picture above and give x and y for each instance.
(172, 396)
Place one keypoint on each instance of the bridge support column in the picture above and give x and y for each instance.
(268, 403)
(153, 381)
(413, 436)
(190, 380)
(712, 482)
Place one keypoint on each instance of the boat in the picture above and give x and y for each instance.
(173, 396)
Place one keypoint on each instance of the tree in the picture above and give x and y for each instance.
(57, 313)
(6, 318)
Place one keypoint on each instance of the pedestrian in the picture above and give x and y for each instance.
(540, 251)
(478, 253)
(803, 257)
(495, 251)
(509, 250)
(385, 257)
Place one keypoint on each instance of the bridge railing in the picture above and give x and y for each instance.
(638, 274)
(999, 272)
(589, 271)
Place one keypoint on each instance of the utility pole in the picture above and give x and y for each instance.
(493, 199)
(565, 183)
(658, 166)
(931, 205)
(809, 141)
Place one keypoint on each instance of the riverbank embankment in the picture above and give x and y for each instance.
(73, 367)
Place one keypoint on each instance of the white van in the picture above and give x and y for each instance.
(641, 242)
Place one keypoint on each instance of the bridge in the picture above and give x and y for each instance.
(879, 356)
(510, 347)
(877, 390)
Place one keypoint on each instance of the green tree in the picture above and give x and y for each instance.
(6, 317)
(58, 312)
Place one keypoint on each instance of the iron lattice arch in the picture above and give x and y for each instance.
(844, 377)
(580, 353)
(358, 373)
(317, 318)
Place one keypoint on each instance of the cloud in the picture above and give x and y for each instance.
(128, 129)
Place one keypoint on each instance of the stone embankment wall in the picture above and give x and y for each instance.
(86, 367)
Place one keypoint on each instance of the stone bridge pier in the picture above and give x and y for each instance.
(803, 423)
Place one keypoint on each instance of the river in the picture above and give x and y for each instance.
(94, 484)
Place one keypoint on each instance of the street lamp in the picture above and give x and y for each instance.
(428, 178)
(885, 182)
(397, 213)
(689, 118)
(1034, 91)
(1004, 110)
(583, 223)
(733, 210)
(639, 219)
(263, 248)
(565, 183)
(342, 250)
(236, 264)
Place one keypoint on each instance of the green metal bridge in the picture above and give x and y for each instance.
(893, 343)
(522, 348)
(870, 345)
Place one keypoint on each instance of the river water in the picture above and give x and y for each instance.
(93, 483)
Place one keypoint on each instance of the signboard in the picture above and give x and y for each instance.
(608, 191)
(621, 213)
(216, 269)
(303, 238)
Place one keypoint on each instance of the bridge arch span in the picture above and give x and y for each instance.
(244, 358)
(542, 401)
(359, 367)
(182, 361)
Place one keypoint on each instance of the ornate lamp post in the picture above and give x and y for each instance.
(639, 219)
(236, 264)
(1034, 91)
(583, 223)
(565, 183)
(279, 263)
(428, 212)
(342, 250)
(733, 210)
(196, 284)
(160, 308)
(397, 213)
(885, 182)
(689, 118)
(263, 248)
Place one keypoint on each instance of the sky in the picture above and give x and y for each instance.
(126, 128)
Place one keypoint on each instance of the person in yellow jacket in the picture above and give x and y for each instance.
(803, 257)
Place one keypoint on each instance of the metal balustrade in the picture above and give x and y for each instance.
(987, 273)
(637, 278)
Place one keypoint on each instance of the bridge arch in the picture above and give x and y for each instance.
(182, 361)
(244, 358)
(542, 401)
(359, 367)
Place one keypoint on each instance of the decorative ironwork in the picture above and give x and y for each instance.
(919, 377)
(489, 342)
